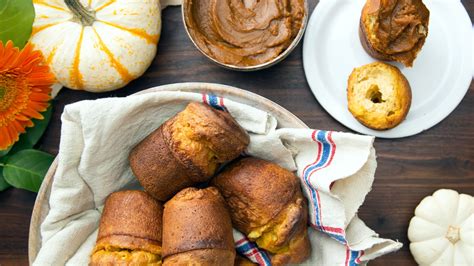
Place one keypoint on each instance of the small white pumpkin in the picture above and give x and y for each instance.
(442, 230)
(97, 45)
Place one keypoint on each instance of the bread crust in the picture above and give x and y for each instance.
(261, 194)
(368, 47)
(201, 257)
(197, 219)
(186, 149)
(256, 191)
(216, 129)
(131, 213)
(131, 220)
(403, 98)
(300, 246)
(156, 168)
(392, 45)
(220, 129)
(192, 173)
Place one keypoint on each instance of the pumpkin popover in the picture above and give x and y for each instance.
(197, 229)
(266, 204)
(378, 95)
(186, 149)
(129, 230)
(394, 30)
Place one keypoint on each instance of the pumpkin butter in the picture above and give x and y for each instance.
(244, 32)
(394, 29)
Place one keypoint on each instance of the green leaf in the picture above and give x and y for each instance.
(3, 184)
(27, 168)
(16, 21)
(5, 152)
(33, 134)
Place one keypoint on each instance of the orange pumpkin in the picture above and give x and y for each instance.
(97, 45)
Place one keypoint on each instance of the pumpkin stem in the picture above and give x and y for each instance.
(453, 234)
(87, 17)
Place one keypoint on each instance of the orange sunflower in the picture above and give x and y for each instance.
(25, 87)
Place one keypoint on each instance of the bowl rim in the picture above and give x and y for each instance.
(264, 65)
(41, 206)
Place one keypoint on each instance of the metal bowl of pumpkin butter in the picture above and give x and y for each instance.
(245, 35)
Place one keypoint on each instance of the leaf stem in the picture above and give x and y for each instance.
(87, 17)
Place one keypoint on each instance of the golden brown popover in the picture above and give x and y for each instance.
(197, 229)
(378, 95)
(394, 30)
(186, 149)
(129, 231)
(266, 204)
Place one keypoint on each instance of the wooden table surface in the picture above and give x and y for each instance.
(408, 169)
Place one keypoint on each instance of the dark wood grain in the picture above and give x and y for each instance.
(408, 169)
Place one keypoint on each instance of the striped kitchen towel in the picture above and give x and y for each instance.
(248, 249)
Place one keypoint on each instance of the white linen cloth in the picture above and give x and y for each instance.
(336, 171)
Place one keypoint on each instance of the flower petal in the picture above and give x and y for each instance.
(32, 113)
(2, 49)
(18, 127)
(22, 56)
(28, 80)
(36, 96)
(14, 135)
(39, 106)
(21, 117)
(5, 140)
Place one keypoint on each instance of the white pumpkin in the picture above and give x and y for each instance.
(97, 45)
(442, 230)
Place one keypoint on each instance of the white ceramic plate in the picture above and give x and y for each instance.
(439, 79)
